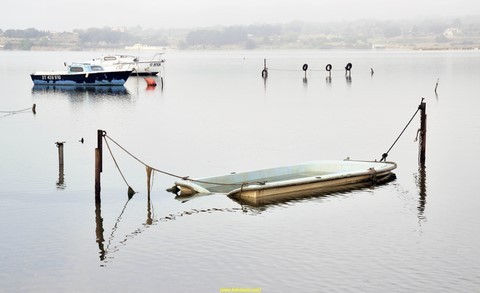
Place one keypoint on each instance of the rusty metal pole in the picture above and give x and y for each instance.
(423, 134)
(98, 164)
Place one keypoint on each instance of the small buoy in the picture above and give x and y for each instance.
(150, 81)
(305, 67)
(81, 140)
(264, 73)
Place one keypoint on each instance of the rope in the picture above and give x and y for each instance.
(280, 69)
(16, 111)
(141, 162)
(165, 172)
(116, 164)
(385, 155)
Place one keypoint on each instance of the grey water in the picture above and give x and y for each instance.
(215, 114)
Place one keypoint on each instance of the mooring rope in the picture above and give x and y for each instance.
(116, 164)
(141, 162)
(385, 155)
(168, 173)
(321, 70)
(16, 111)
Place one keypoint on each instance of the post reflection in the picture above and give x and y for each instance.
(348, 78)
(99, 229)
(149, 220)
(61, 178)
(422, 192)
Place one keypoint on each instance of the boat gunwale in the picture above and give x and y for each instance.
(196, 186)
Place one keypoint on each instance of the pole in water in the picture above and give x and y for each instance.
(98, 163)
(305, 68)
(61, 175)
(60, 153)
(348, 68)
(436, 85)
(423, 134)
(34, 109)
(328, 68)
(265, 69)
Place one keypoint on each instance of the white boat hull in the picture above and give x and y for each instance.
(262, 186)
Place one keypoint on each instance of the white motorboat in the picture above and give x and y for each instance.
(82, 74)
(140, 66)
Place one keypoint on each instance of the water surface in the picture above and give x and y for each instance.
(214, 115)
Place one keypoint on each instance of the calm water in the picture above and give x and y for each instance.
(215, 114)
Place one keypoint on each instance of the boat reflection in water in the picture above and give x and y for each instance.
(81, 91)
(296, 195)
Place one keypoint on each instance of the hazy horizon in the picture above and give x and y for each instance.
(56, 16)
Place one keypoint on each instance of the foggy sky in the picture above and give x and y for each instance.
(67, 15)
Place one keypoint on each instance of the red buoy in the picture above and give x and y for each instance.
(150, 81)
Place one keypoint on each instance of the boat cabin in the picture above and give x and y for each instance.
(84, 67)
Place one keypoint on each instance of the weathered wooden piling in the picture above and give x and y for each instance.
(98, 163)
(61, 169)
(60, 153)
(149, 176)
(423, 134)
(34, 109)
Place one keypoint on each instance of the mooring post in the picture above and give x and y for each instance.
(305, 68)
(98, 164)
(423, 133)
(60, 153)
(34, 109)
(348, 69)
(60, 163)
(265, 70)
(97, 175)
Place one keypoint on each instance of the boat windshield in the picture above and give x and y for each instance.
(96, 68)
(76, 69)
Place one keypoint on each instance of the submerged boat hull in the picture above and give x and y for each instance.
(274, 184)
(81, 79)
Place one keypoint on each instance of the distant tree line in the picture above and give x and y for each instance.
(29, 33)
(297, 34)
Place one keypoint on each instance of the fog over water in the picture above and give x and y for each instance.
(57, 15)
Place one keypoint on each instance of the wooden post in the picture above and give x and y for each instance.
(98, 164)
(61, 175)
(423, 134)
(149, 176)
(34, 109)
(60, 153)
